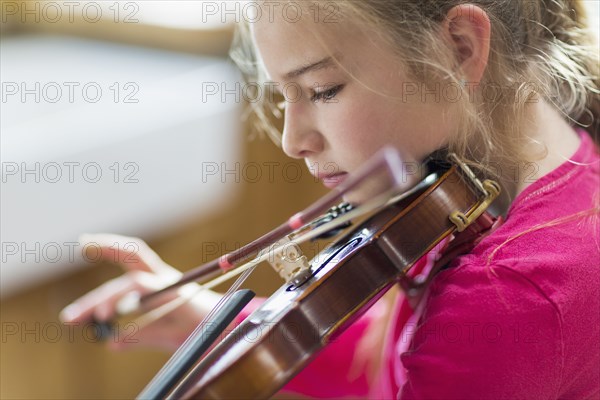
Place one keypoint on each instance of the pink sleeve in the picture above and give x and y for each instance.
(334, 372)
(485, 335)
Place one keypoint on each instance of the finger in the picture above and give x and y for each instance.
(131, 253)
(101, 302)
(82, 309)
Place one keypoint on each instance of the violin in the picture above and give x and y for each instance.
(318, 302)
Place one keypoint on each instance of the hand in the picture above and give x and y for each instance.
(144, 272)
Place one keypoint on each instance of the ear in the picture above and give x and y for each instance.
(468, 29)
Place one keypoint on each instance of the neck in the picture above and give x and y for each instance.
(549, 142)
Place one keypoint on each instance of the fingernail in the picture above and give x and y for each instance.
(69, 313)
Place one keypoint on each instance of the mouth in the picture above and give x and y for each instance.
(332, 180)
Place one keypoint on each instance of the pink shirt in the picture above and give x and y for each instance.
(514, 319)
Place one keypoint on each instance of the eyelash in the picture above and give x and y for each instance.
(326, 95)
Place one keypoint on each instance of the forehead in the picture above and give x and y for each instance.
(285, 45)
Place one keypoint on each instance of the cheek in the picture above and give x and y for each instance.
(354, 130)
(359, 125)
(416, 130)
(374, 123)
(363, 119)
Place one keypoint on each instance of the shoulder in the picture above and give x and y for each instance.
(492, 292)
(485, 333)
(497, 296)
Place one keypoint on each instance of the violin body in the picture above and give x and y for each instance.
(282, 336)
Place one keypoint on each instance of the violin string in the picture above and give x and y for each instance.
(186, 294)
(380, 201)
(372, 205)
(236, 285)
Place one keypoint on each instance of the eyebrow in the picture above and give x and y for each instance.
(321, 64)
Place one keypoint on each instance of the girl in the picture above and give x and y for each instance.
(511, 87)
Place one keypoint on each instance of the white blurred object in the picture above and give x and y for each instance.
(177, 14)
(197, 14)
(151, 134)
(593, 17)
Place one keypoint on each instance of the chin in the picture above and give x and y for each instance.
(363, 194)
(354, 198)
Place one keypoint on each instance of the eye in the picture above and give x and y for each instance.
(326, 95)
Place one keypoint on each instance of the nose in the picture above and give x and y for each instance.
(301, 138)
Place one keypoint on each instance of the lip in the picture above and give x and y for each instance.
(332, 180)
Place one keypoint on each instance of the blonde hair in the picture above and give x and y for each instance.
(539, 48)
